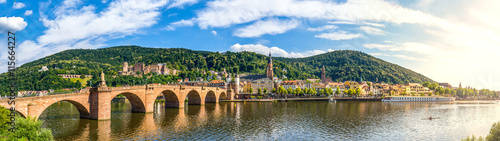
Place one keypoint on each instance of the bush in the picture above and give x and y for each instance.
(259, 97)
(26, 128)
(253, 97)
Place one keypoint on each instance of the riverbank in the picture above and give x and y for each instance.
(303, 99)
(476, 99)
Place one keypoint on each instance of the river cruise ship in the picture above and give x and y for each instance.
(421, 98)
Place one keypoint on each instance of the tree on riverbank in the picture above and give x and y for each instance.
(26, 129)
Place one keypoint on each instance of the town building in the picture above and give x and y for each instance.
(217, 83)
(73, 76)
(44, 68)
(255, 82)
(445, 85)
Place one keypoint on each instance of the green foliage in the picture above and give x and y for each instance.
(341, 65)
(259, 91)
(252, 97)
(298, 90)
(4, 119)
(250, 90)
(26, 128)
(259, 97)
(338, 91)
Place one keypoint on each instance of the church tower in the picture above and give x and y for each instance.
(269, 70)
(323, 74)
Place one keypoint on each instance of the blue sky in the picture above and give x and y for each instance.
(447, 40)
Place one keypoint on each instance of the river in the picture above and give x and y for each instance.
(306, 120)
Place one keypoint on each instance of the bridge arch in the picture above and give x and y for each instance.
(222, 96)
(83, 110)
(171, 99)
(194, 98)
(211, 97)
(136, 102)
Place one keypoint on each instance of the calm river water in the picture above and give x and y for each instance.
(314, 120)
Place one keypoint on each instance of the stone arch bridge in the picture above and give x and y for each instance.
(95, 103)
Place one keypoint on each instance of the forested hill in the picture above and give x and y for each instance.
(346, 65)
(340, 65)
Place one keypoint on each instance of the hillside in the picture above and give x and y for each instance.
(347, 65)
(340, 65)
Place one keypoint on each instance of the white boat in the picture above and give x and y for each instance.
(332, 99)
(416, 98)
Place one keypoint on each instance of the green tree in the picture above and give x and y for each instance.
(290, 90)
(250, 90)
(426, 84)
(26, 128)
(82, 76)
(338, 91)
(433, 86)
(265, 90)
(358, 91)
(273, 90)
(259, 91)
(298, 90)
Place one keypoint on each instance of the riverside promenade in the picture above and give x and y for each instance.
(305, 99)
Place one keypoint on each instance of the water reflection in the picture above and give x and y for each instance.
(278, 121)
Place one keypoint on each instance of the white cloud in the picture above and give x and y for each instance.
(411, 47)
(28, 12)
(372, 30)
(18, 5)
(341, 35)
(261, 49)
(181, 3)
(12, 24)
(214, 32)
(326, 27)
(2, 1)
(223, 13)
(85, 28)
(357, 23)
(270, 26)
(398, 56)
(180, 23)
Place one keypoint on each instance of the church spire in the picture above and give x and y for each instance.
(270, 59)
(269, 69)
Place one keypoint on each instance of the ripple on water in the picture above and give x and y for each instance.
(281, 121)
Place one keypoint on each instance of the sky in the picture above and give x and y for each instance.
(454, 41)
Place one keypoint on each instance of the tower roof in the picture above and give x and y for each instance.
(270, 59)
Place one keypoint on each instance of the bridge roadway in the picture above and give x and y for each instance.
(95, 103)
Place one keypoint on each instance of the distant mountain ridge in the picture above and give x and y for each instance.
(340, 65)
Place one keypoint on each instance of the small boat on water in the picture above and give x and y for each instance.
(416, 98)
(431, 118)
(332, 99)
